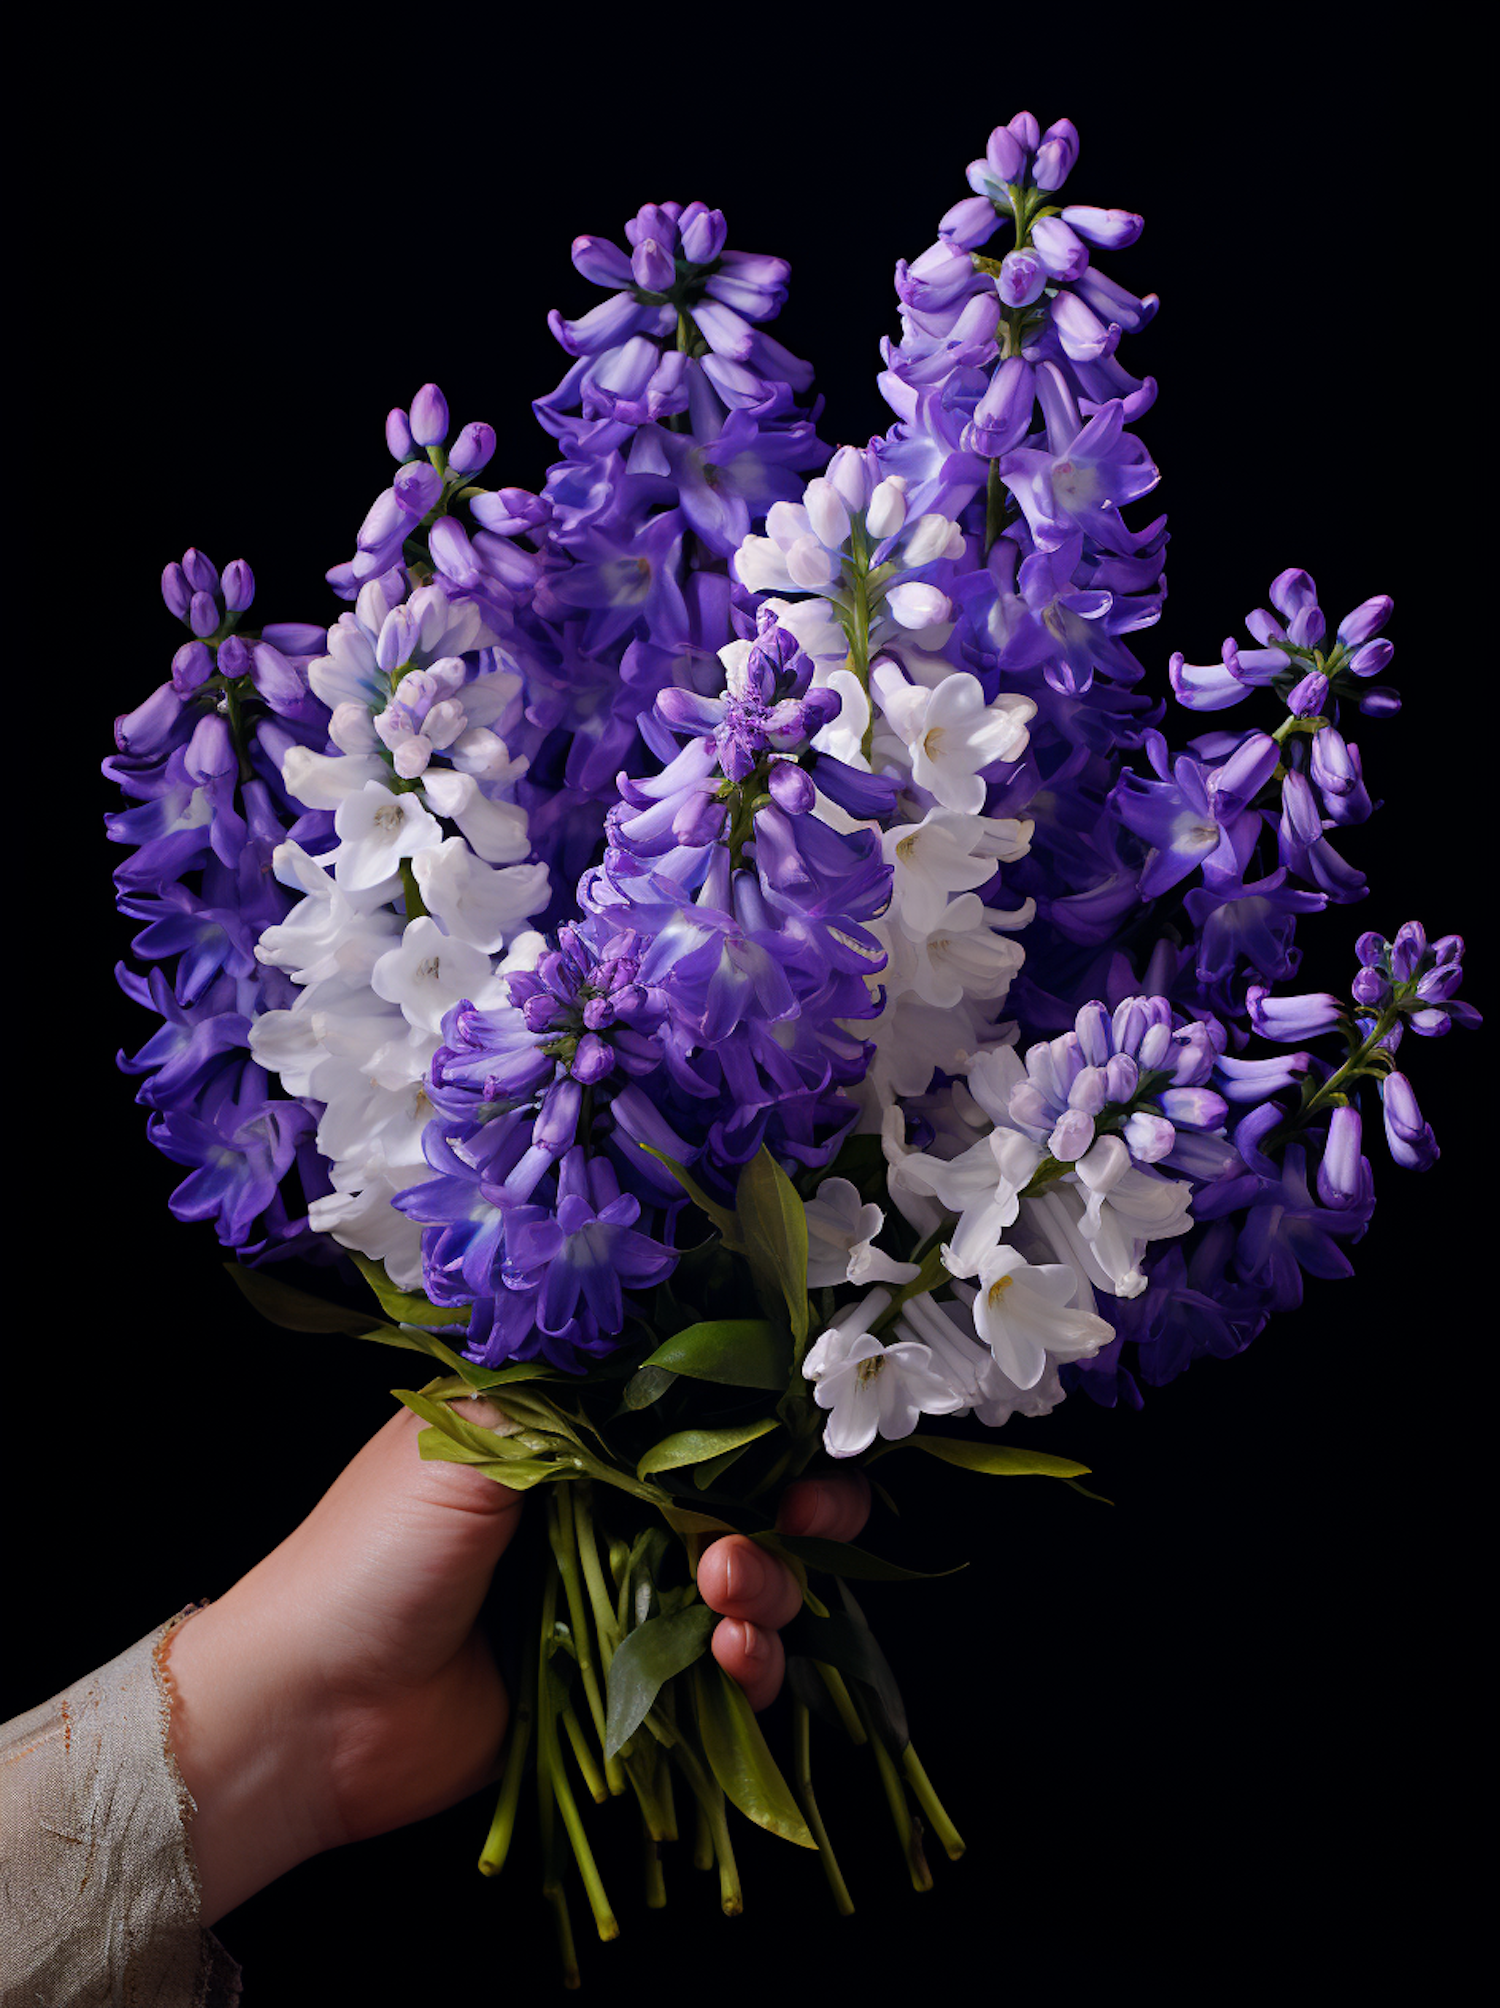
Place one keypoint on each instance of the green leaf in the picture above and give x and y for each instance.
(1001, 1460)
(705, 1475)
(474, 1443)
(654, 1653)
(740, 1352)
(842, 1558)
(684, 1520)
(693, 1446)
(861, 1160)
(774, 1228)
(297, 1310)
(739, 1759)
(646, 1385)
(407, 1307)
(519, 1473)
(721, 1216)
(843, 1640)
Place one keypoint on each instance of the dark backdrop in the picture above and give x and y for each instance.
(1210, 1731)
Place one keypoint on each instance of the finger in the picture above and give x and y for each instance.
(753, 1656)
(834, 1509)
(740, 1580)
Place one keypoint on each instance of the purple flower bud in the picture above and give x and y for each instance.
(1148, 1137)
(1371, 659)
(869, 797)
(279, 682)
(1293, 592)
(969, 223)
(202, 576)
(1431, 1024)
(1439, 983)
(192, 665)
(1370, 988)
(149, 728)
(1110, 229)
(233, 657)
(1307, 699)
(1447, 948)
(1072, 1136)
(1332, 769)
(1095, 1030)
(1411, 1141)
(1370, 948)
(474, 448)
(1407, 951)
(1121, 1077)
(699, 820)
(210, 751)
(176, 591)
(1003, 415)
(429, 416)
(385, 518)
(1022, 278)
(1056, 155)
(703, 233)
(850, 477)
(1089, 1091)
(1006, 152)
(1194, 1108)
(1368, 618)
(203, 614)
(1290, 1020)
(557, 1120)
(398, 434)
(417, 487)
(653, 267)
(1062, 252)
(593, 1059)
(540, 1011)
(239, 586)
(1241, 777)
(791, 787)
(1343, 1174)
(1380, 702)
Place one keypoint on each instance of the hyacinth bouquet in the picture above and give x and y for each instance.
(728, 957)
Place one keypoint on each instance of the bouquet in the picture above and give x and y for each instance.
(726, 957)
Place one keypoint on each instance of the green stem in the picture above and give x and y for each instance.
(560, 1528)
(833, 1680)
(802, 1776)
(931, 1804)
(552, 1887)
(907, 1829)
(711, 1814)
(592, 1777)
(503, 1826)
(583, 1854)
(1353, 1066)
(593, 1574)
(415, 906)
(994, 506)
(656, 1887)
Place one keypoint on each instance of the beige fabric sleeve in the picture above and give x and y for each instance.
(99, 1893)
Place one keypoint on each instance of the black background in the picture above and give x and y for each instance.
(1205, 1741)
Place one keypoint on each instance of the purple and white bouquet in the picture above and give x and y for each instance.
(725, 956)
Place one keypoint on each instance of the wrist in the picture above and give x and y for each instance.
(248, 1754)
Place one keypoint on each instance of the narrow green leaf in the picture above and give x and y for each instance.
(520, 1473)
(684, 1520)
(739, 1758)
(705, 1475)
(654, 1653)
(773, 1224)
(842, 1558)
(693, 1446)
(721, 1216)
(1001, 1460)
(296, 1310)
(473, 1443)
(407, 1307)
(843, 1640)
(739, 1352)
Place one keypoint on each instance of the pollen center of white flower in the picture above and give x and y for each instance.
(428, 969)
(998, 1289)
(906, 849)
(932, 742)
(389, 818)
(868, 1369)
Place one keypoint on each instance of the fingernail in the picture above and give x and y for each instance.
(753, 1642)
(744, 1573)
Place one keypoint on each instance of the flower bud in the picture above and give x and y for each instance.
(1056, 155)
(1342, 1172)
(791, 787)
(1407, 951)
(1148, 1137)
(1307, 698)
(176, 591)
(1006, 152)
(1380, 702)
(653, 267)
(927, 540)
(887, 511)
(398, 434)
(703, 233)
(1372, 658)
(429, 416)
(1370, 948)
(1022, 278)
(239, 586)
(192, 665)
(1063, 254)
(826, 513)
(203, 614)
(1370, 988)
(1367, 619)
(202, 576)
(417, 487)
(474, 448)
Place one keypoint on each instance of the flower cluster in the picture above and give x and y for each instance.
(700, 809)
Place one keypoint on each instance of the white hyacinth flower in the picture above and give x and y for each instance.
(873, 1389)
(1024, 1312)
(377, 829)
(950, 733)
(840, 1235)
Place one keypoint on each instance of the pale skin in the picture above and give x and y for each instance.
(343, 1686)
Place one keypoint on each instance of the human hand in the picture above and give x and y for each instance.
(342, 1687)
(757, 1594)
